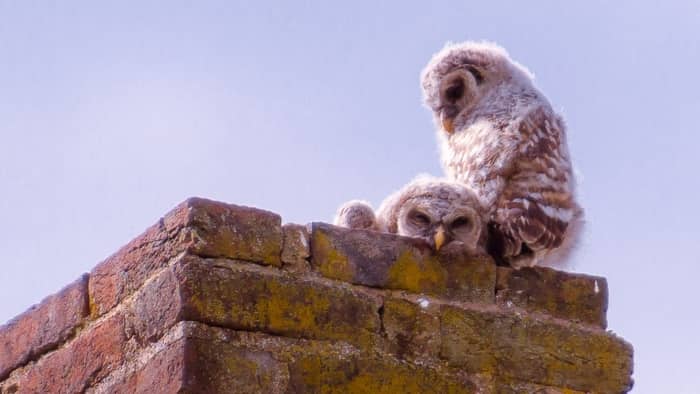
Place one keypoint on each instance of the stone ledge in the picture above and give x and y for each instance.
(202, 358)
(574, 297)
(198, 226)
(389, 261)
(238, 268)
(224, 360)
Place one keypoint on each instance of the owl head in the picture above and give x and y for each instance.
(460, 78)
(356, 214)
(439, 211)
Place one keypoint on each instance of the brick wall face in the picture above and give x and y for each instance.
(223, 298)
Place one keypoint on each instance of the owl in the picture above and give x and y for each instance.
(439, 211)
(356, 214)
(436, 210)
(499, 136)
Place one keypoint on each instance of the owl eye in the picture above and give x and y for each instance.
(419, 218)
(461, 222)
(476, 73)
(455, 91)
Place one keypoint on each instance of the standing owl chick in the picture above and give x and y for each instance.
(500, 137)
(436, 210)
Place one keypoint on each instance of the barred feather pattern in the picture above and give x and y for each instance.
(510, 147)
(522, 172)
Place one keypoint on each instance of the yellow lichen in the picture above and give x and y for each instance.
(412, 273)
(333, 264)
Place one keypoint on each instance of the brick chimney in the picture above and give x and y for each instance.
(222, 298)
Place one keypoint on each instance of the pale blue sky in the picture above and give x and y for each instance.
(112, 114)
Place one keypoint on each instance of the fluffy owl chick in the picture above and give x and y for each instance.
(356, 214)
(500, 137)
(436, 210)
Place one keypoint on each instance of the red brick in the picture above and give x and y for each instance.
(199, 226)
(162, 373)
(234, 232)
(70, 369)
(43, 327)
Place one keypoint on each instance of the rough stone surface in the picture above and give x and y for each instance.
(392, 262)
(568, 296)
(43, 327)
(295, 247)
(234, 232)
(162, 373)
(412, 330)
(73, 368)
(198, 303)
(535, 350)
(207, 359)
(202, 227)
(520, 387)
(248, 297)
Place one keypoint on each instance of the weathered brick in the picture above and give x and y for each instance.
(91, 356)
(389, 261)
(195, 357)
(205, 309)
(199, 226)
(215, 367)
(504, 387)
(314, 373)
(295, 247)
(412, 329)
(156, 307)
(247, 297)
(162, 373)
(43, 327)
(234, 232)
(574, 297)
(194, 365)
(530, 349)
(125, 271)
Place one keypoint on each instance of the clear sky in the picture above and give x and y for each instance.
(111, 114)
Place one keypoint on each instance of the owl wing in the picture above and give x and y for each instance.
(533, 211)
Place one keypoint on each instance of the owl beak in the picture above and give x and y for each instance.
(439, 238)
(447, 123)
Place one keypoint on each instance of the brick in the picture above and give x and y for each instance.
(234, 232)
(412, 330)
(156, 307)
(303, 366)
(91, 356)
(121, 274)
(215, 367)
(574, 297)
(163, 370)
(195, 365)
(199, 226)
(248, 297)
(198, 304)
(313, 373)
(389, 261)
(504, 387)
(43, 327)
(195, 357)
(295, 247)
(535, 350)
